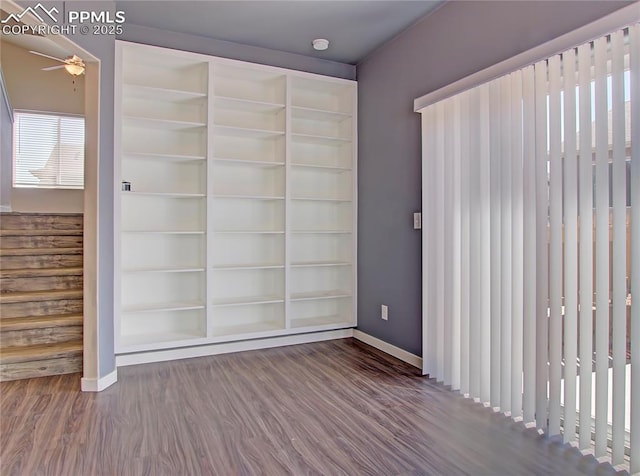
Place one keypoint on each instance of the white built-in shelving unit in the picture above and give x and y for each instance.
(240, 221)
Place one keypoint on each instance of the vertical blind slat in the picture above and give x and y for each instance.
(529, 247)
(555, 247)
(634, 47)
(485, 248)
(457, 222)
(542, 197)
(570, 250)
(464, 256)
(619, 198)
(495, 236)
(448, 240)
(439, 231)
(505, 272)
(602, 246)
(585, 200)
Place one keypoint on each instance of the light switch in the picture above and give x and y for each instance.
(417, 221)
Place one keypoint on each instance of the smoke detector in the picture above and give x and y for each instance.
(320, 44)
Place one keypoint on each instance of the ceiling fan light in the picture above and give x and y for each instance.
(320, 44)
(74, 69)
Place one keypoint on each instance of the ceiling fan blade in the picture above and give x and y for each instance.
(51, 68)
(47, 56)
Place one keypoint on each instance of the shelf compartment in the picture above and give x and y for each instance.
(314, 128)
(322, 95)
(318, 139)
(313, 114)
(321, 153)
(268, 147)
(152, 157)
(162, 194)
(233, 215)
(161, 124)
(191, 111)
(319, 184)
(321, 248)
(248, 300)
(247, 266)
(272, 120)
(161, 326)
(316, 264)
(147, 213)
(135, 91)
(246, 105)
(249, 286)
(248, 319)
(327, 168)
(246, 132)
(245, 163)
(174, 144)
(321, 216)
(324, 312)
(232, 181)
(142, 66)
(250, 84)
(162, 291)
(232, 251)
(320, 283)
(163, 270)
(170, 177)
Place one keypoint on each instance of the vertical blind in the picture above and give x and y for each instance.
(48, 151)
(531, 245)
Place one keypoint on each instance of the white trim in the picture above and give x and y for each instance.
(228, 347)
(5, 95)
(619, 19)
(387, 348)
(5, 208)
(98, 384)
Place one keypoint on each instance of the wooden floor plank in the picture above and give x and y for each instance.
(328, 408)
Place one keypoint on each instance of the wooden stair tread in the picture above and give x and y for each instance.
(39, 322)
(30, 296)
(39, 251)
(20, 232)
(39, 272)
(30, 353)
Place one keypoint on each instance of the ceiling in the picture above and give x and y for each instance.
(355, 28)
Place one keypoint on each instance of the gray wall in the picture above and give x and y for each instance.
(458, 39)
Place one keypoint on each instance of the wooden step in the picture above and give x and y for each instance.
(44, 279)
(40, 296)
(40, 251)
(40, 360)
(39, 322)
(4, 233)
(40, 221)
(43, 330)
(39, 272)
(41, 241)
(41, 308)
(20, 258)
(30, 353)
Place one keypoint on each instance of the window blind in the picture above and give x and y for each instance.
(48, 151)
(531, 194)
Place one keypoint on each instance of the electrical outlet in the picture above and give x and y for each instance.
(384, 312)
(417, 221)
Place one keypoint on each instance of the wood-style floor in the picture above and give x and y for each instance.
(329, 408)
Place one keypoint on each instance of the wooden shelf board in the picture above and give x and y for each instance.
(228, 267)
(315, 139)
(160, 94)
(310, 199)
(165, 232)
(246, 105)
(322, 232)
(130, 342)
(248, 232)
(300, 112)
(316, 295)
(245, 162)
(163, 194)
(160, 157)
(169, 306)
(164, 124)
(334, 168)
(164, 270)
(248, 301)
(249, 197)
(245, 132)
(313, 264)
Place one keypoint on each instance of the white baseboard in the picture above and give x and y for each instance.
(5, 208)
(99, 384)
(397, 352)
(228, 347)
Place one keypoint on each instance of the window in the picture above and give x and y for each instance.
(48, 150)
